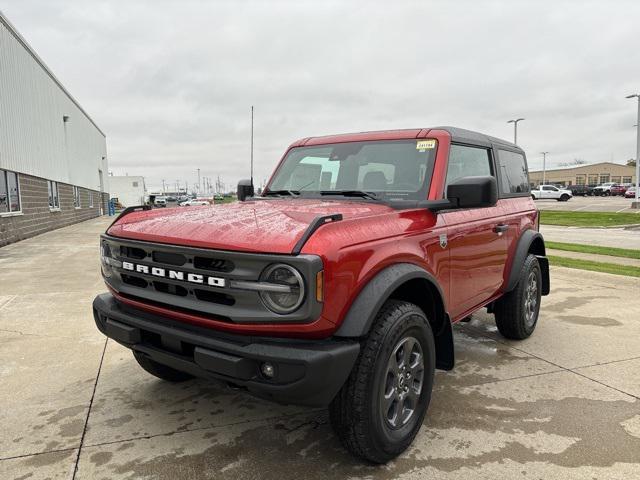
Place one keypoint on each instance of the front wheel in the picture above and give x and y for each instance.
(564, 197)
(517, 311)
(380, 408)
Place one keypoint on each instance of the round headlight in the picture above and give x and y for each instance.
(288, 299)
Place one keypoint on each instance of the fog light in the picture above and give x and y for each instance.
(267, 369)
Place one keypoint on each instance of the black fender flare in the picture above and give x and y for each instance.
(523, 248)
(358, 320)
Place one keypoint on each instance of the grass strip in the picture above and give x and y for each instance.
(625, 270)
(597, 250)
(587, 219)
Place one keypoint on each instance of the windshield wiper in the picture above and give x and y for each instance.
(291, 193)
(350, 193)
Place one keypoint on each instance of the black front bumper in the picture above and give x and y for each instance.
(306, 372)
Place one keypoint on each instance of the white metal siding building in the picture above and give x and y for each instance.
(45, 137)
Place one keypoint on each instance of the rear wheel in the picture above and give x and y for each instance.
(159, 370)
(517, 311)
(380, 408)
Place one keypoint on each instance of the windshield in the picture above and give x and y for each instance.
(390, 170)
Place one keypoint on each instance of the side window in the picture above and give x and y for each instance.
(54, 201)
(76, 197)
(512, 169)
(4, 196)
(9, 192)
(467, 161)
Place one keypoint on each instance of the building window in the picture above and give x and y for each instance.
(604, 178)
(593, 180)
(9, 192)
(135, 184)
(512, 170)
(76, 197)
(581, 179)
(54, 199)
(616, 179)
(626, 180)
(90, 199)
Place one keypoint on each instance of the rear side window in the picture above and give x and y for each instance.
(465, 161)
(512, 170)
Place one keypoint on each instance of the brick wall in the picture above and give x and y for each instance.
(36, 216)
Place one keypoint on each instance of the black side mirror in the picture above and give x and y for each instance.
(245, 189)
(473, 192)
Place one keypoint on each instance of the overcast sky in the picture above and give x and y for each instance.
(171, 82)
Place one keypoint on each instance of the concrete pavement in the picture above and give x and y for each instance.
(563, 404)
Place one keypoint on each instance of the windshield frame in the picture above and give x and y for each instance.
(385, 197)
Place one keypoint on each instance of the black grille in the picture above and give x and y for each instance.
(132, 252)
(134, 281)
(214, 297)
(169, 258)
(170, 288)
(214, 264)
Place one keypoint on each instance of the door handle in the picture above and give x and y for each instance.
(500, 228)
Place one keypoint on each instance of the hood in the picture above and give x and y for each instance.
(263, 226)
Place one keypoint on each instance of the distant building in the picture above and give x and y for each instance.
(53, 157)
(590, 174)
(130, 191)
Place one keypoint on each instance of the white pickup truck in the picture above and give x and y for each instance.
(542, 192)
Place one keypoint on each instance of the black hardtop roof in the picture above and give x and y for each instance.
(469, 136)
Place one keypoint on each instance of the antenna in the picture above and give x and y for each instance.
(251, 144)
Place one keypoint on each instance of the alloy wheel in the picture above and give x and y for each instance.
(403, 383)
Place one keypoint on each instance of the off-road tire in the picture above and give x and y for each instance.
(356, 411)
(159, 370)
(510, 310)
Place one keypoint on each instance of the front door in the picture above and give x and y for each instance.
(478, 247)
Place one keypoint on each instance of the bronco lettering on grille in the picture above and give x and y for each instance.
(175, 275)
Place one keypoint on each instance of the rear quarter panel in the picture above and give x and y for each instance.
(521, 214)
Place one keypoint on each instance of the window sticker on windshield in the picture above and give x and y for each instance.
(423, 145)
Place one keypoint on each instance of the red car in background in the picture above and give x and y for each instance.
(618, 189)
(630, 193)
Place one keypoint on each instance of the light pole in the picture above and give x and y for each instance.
(198, 180)
(515, 129)
(636, 203)
(544, 167)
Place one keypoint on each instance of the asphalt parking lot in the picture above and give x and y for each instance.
(590, 204)
(563, 404)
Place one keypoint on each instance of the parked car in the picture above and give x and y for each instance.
(160, 202)
(544, 192)
(630, 193)
(195, 202)
(603, 189)
(580, 190)
(339, 284)
(617, 189)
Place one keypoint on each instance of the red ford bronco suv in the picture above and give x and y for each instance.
(338, 285)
